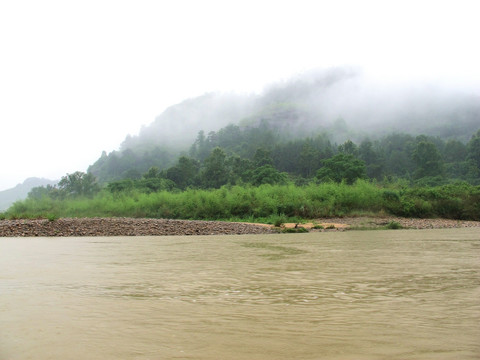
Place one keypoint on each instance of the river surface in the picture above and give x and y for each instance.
(404, 294)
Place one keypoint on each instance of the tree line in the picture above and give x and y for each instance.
(258, 155)
(223, 176)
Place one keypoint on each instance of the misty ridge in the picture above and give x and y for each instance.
(338, 104)
(317, 101)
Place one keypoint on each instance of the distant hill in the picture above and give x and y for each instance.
(340, 102)
(177, 127)
(20, 192)
(314, 102)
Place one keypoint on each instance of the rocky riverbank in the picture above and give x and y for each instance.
(162, 227)
(365, 222)
(124, 227)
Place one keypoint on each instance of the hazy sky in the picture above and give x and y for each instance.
(77, 76)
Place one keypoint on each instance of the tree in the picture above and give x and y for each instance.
(397, 150)
(266, 174)
(348, 147)
(229, 136)
(120, 186)
(215, 173)
(39, 192)
(372, 160)
(184, 173)
(262, 157)
(309, 160)
(342, 167)
(455, 151)
(78, 184)
(152, 173)
(239, 169)
(428, 160)
(473, 148)
(150, 185)
(201, 147)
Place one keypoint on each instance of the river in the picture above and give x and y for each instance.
(403, 294)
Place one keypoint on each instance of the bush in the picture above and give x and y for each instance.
(394, 225)
(449, 208)
(51, 217)
(299, 229)
(279, 220)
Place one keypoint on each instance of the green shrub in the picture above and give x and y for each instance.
(279, 220)
(449, 208)
(394, 225)
(299, 229)
(52, 217)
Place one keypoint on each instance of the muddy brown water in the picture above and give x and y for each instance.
(406, 294)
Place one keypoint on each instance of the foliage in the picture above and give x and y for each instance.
(279, 220)
(428, 160)
(394, 225)
(473, 149)
(231, 154)
(342, 167)
(184, 173)
(298, 229)
(78, 184)
(265, 174)
(267, 202)
(51, 217)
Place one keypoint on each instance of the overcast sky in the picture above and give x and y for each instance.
(77, 76)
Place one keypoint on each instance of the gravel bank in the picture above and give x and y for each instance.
(408, 223)
(124, 227)
(145, 227)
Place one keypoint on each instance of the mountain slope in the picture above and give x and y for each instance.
(20, 192)
(339, 102)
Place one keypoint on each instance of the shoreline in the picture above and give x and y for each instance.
(66, 227)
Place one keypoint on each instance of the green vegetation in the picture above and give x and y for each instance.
(262, 155)
(274, 204)
(278, 185)
(51, 217)
(394, 225)
(299, 229)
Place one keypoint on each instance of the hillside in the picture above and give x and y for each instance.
(337, 105)
(20, 192)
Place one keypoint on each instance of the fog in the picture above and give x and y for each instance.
(76, 79)
(344, 102)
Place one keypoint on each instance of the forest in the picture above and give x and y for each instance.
(284, 154)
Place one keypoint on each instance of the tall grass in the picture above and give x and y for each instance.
(461, 201)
